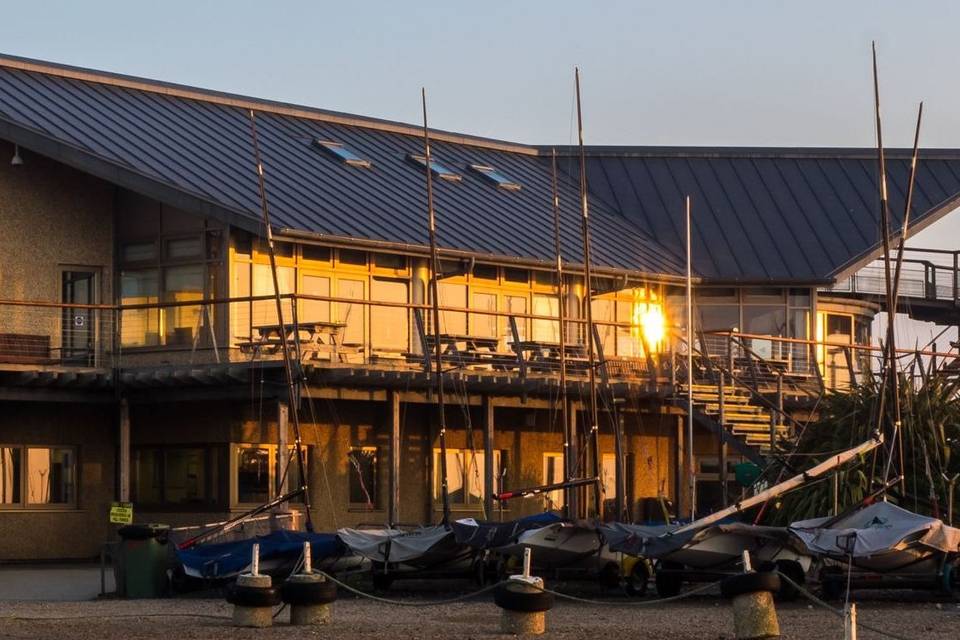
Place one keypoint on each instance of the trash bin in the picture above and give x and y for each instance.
(143, 557)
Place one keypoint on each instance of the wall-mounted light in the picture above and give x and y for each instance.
(16, 160)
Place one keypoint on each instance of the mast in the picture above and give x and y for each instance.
(588, 295)
(292, 397)
(908, 205)
(434, 291)
(568, 435)
(691, 472)
(890, 373)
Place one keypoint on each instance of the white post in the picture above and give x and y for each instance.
(747, 567)
(691, 472)
(255, 560)
(526, 562)
(850, 622)
(307, 560)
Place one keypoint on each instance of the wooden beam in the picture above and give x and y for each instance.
(283, 441)
(395, 455)
(488, 468)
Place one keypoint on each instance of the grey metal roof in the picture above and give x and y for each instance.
(764, 215)
(202, 147)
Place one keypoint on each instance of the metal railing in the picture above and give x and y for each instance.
(929, 274)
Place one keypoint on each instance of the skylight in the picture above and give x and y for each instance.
(339, 151)
(496, 177)
(438, 169)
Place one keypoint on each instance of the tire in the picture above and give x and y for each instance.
(831, 584)
(668, 583)
(382, 582)
(609, 576)
(750, 583)
(525, 602)
(308, 593)
(253, 596)
(637, 583)
(793, 570)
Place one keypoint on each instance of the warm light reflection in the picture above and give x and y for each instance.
(649, 322)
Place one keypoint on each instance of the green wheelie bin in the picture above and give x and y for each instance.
(143, 551)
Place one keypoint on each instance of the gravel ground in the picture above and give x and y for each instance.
(697, 618)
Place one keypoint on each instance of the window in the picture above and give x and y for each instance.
(496, 177)
(465, 475)
(710, 490)
(608, 475)
(140, 327)
(454, 296)
(314, 310)
(485, 272)
(178, 476)
(362, 469)
(520, 276)
(389, 328)
(139, 252)
(182, 284)
(257, 472)
(481, 324)
(316, 253)
(546, 330)
(352, 257)
(389, 261)
(552, 474)
(337, 150)
(37, 476)
(184, 248)
(436, 168)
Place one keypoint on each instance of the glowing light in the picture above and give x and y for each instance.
(648, 322)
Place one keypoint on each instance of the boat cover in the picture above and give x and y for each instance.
(487, 535)
(875, 529)
(397, 545)
(659, 541)
(227, 559)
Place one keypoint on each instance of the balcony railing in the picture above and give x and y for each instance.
(929, 274)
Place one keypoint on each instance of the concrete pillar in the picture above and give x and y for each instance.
(283, 441)
(123, 455)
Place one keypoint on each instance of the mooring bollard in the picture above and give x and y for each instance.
(253, 596)
(309, 594)
(523, 602)
(754, 616)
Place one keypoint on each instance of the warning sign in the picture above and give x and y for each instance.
(121, 513)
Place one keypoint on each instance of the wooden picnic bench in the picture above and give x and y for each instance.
(22, 348)
(311, 338)
(542, 355)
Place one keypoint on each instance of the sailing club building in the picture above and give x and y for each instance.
(139, 334)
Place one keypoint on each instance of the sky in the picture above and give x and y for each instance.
(741, 73)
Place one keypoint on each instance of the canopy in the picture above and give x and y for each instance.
(397, 545)
(226, 559)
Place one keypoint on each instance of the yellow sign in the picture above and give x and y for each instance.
(121, 513)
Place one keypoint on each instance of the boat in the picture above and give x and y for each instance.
(485, 534)
(280, 553)
(882, 545)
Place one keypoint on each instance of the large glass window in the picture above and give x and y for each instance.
(51, 475)
(10, 476)
(483, 325)
(453, 295)
(175, 476)
(254, 474)
(314, 310)
(465, 475)
(182, 284)
(140, 327)
(265, 311)
(552, 474)
(354, 315)
(546, 330)
(765, 320)
(389, 326)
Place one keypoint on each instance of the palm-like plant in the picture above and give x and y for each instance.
(930, 432)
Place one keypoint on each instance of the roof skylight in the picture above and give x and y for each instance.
(496, 177)
(436, 168)
(337, 150)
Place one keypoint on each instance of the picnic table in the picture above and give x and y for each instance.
(312, 338)
(467, 350)
(545, 355)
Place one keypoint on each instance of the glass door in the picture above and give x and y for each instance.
(78, 330)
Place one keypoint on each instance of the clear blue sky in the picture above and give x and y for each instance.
(673, 73)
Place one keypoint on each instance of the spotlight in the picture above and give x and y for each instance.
(16, 160)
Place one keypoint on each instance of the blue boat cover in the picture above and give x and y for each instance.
(486, 534)
(225, 559)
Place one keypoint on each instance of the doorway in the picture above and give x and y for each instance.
(78, 323)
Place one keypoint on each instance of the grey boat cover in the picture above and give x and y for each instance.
(873, 530)
(660, 541)
(396, 545)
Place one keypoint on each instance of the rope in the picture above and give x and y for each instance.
(838, 612)
(621, 603)
(116, 615)
(403, 603)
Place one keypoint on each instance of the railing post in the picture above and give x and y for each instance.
(722, 445)
(730, 353)
(775, 416)
(956, 276)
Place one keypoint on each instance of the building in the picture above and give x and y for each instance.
(137, 360)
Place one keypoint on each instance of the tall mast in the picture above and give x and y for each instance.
(588, 296)
(292, 399)
(568, 435)
(691, 471)
(434, 292)
(890, 374)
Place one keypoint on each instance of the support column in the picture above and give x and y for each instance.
(679, 463)
(283, 458)
(489, 471)
(395, 453)
(573, 495)
(123, 456)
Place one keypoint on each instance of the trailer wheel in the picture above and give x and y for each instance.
(669, 579)
(609, 576)
(638, 581)
(792, 570)
(831, 584)
(382, 581)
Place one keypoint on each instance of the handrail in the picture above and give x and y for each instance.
(819, 343)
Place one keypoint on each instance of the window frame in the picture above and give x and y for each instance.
(233, 470)
(213, 481)
(375, 503)
(24, 504)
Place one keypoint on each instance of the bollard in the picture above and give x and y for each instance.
(310, 595)
(850, 622)
(523, 603)
(754, 616)
(253, 596)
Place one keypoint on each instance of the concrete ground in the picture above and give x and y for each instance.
(52, 583)
(701, 617)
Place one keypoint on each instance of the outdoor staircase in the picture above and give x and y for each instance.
(746, 424)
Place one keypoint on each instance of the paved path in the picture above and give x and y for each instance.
(52, 583)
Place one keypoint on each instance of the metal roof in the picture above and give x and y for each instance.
(203, 149)
(762, 214)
